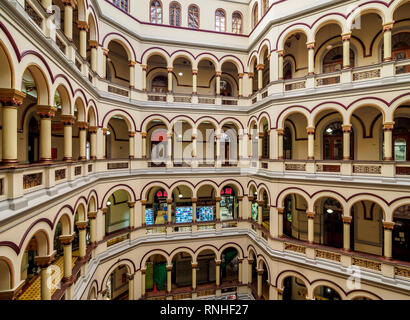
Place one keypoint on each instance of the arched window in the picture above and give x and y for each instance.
(333, 60)
(265, 6)
(193, 17)
(237, 22)
(156, 12)
(122, 4)
(220, 20)
(255, 15)
(175, 14)
(160, 84)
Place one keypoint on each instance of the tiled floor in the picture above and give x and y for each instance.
(33, 292)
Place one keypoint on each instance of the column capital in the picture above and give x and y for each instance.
(250, 198)
(388, 225)
(143, 202)
(130, 276)
(347, 128)
(143, 135)
(92, 215)
(251, 75)
(195, 71)
(104, 211)
(92, 129)
(144, 67)
(280, 53)
(46, 112)
(131, 134)
(194, 265)
(240, 75)
(347, 220)
(240, 198)
(11, 97)
(280, 132)
(194, 200)
(170, 69)
(66, 239)
(260, 66)
(218, 73)
(261, 203)
(218, 262)
(310, 130)
(169, 201)
(279, 290)
(82, 25)
(388, 125)
(131, 204)
(105, 51)
(260, 272)
(310, 45)
(104, 130)
(45, 261)
(281, 210)
(93, 44)
(68, 3)
(310, 215)
(217, 199)
(388, 26)
(131, 63)
(169, 268)
(67, 119)
(81, 225)
(82, 125)
(346, 36)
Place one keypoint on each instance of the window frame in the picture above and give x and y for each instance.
(178, 7)
(255, 9)
(117, 3)
(224, 17)
(241, 27)
(156, 13)
(265, 7)
(191, 6)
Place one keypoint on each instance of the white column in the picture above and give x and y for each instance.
(311, 226)
(346, 50)
(311, 143)
(346, 232)
(131, 65)
(311, 58)
(387, 35)
(260, 68)
(131, 136)
(280, 143)
(388, 230)
(218, 82)
(347, 129)
(194, 81)
(388, 140)
(281, 53)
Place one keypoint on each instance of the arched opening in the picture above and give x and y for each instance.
(175, 14)
(157, 143)
(368, 123)
(287, 69)
(156, 210)
(117, 217)
(263, 281)
(79, 148)
(181, 271)
(229, 266)
(295, 145)
(326, 293)
(206, 205)
(295, 223)
(117, 284)
(118, 146)
(255, 15)
(295, 51)
(156, 275)
(265, 136)
(182, 78)
(229, 145)
(182, 144)
(265, 210)
(328, 223)
(366, 228)
(254, 142)
(206, 73)
(253, 199)
(157, 77)
(182, 210)
(118, 70)
(206, 144)
(6, 276)
(333, 141)
(401, 134)
(401, 233)
(229, 206)
(33, 139)
(229, 81)
(206, 272)
(333, 61)
(401, 37)
(294, 289)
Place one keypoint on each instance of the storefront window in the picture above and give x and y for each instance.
(158, 213)
(228, 204)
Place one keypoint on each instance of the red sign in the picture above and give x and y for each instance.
(227, 191)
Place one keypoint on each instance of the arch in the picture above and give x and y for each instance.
(181, 118)
(154, 184)
(371, 7)
(6, 274)
(253, 61)
(235, 122)
(211, 120)
(289, 191)
(155, 51)
(93, 291)
(151, 253)
(122, 41)
(182, 54)
(379, 105)
(43, 240)
(261, 259)
(127, 189)
(66, 224)
(230, 245)
(92, 116)
(353, 295)
(262, 188)
(303, 28)
(232, 182)
(264, 49)
(280, 122)
(121, 262)
(210, 183)
(93, 27)
(82, 10)
(149, 119)
(182, 250)
(119, 113)
(369, 197)
(326, 20)
(235, 61)
(81, 210)
(330, 106)
(7, 67)
(81, 109)
(320, 283)
(204, 248)
(207, 57)
(290, 273)
(324, 194)
(65, 99)
(42, 81)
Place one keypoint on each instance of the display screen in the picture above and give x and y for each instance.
(205, 214)
(255, 211)
(183, 215)
(149, 217)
